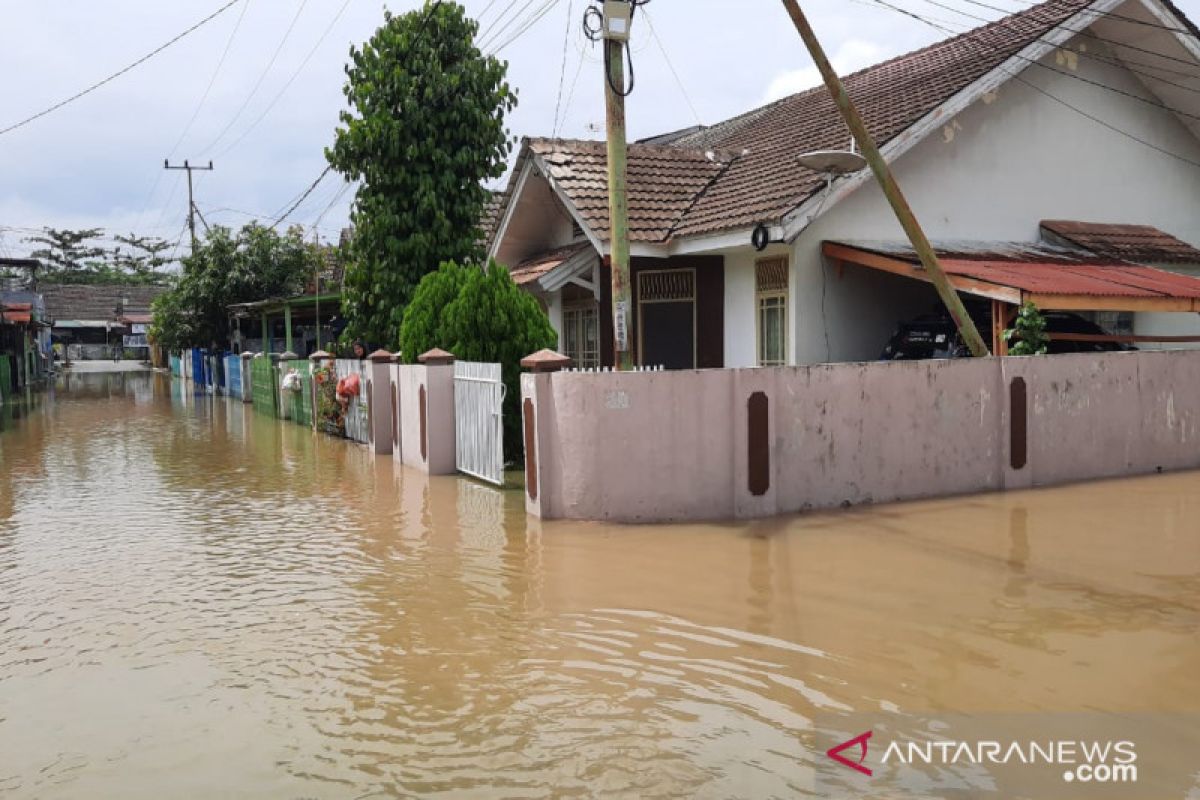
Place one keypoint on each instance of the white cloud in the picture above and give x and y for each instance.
(852, 55)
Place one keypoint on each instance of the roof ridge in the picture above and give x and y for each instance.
(759, 111)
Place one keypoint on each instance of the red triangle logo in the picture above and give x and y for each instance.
(861, 740)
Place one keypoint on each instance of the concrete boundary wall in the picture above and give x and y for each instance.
(725, 444)
(425, 416)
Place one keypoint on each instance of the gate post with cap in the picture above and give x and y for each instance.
(435, 406)
(540, 444)
(379, 401)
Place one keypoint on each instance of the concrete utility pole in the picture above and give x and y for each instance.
(192, 210)
(887, 182)
(617, 17)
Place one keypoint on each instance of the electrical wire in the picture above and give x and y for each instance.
(303, 196)
(1018, 77)
(1079, 32)
(296, 74)
(1108, 14)
(195, 114)
(120, 72)
(562, 73)
(678, 81)
(212, 80)
(488, 35)
(532, 20)
(258, 83)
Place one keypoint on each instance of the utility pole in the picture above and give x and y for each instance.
(618, 15)
(887, 182)
(192, 210)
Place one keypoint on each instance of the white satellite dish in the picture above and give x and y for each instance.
(833, 162)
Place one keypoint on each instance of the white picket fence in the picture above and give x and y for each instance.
(478, 420)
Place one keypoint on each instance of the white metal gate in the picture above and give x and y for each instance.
(478, 424)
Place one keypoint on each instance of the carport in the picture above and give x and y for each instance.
(1053, 278)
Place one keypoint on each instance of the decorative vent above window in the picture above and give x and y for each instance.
(576, 230)
(771, 275)
(666, 286)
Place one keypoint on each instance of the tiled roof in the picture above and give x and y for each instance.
(529, 271)
(491, 214)
(664, 182)
(891, 97)
(744, 171)
(1141, 243)
(86, 302)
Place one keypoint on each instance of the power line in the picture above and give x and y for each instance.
(1017, 76)
(262, 76)
(303, 196)
(1109, 14)
(212, 80)
(532, 20)
(120, 72)
(1078, 32)
(671, 66)
(1100, 84)
(562, 73)
(291, 80)
(492, 26)
(199, 106)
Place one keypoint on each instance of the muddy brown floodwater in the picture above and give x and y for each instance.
(196, 601)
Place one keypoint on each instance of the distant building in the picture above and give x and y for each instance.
(24, 332)
(90, 321)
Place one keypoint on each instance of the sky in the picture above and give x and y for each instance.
(258, 91)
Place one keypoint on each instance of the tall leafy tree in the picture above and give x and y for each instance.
(424, 130)
(226, 268)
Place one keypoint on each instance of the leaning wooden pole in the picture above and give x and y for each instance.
(618, 202)
(887, 182)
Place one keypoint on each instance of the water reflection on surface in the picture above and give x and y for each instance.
(197, 601)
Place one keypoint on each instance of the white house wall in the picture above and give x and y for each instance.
(992, 173)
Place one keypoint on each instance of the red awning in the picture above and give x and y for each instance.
(15, 317)
(1052, 278)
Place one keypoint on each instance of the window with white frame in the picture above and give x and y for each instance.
(771, 303)
(581, 334)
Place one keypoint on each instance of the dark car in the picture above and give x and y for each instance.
(934, 335)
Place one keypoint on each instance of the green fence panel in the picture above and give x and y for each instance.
(300, 403)
(265, 386)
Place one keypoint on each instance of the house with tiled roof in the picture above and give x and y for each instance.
(1049, 126)
(90, 320)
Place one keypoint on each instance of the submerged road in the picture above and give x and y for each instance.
(196, 601)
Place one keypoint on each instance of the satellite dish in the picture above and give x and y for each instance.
(833, 162)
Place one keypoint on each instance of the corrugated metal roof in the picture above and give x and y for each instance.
(1044, 269)
(1141, 243)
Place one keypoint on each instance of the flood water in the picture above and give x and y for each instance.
(196, 601)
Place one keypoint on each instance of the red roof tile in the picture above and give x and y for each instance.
(1142, 243)
(664, 182)
(744, 171)
(529, 271)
